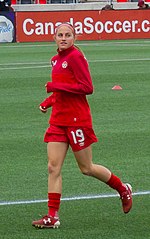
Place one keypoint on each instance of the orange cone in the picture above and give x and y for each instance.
(117, 87)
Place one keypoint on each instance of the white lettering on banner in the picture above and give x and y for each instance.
(25, 26)
(38, 28)
(126, 26)
(133, 25)
(108, 27)
(117, 26)
(88, 23)
(145, 27)
(88, 26)
(79, 27)
(99, 27)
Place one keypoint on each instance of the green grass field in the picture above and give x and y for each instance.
(121, 121)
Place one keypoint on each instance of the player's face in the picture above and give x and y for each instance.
(64, 38)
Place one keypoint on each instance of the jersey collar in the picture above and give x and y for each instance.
(65, 52)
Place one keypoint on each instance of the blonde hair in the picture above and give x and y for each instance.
(67, 25)
(78, 48)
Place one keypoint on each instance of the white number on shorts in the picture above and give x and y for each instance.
(78, 134)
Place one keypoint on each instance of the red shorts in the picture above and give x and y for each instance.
(77, 137)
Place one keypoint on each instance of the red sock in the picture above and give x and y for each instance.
(115, 183)
(53, 204)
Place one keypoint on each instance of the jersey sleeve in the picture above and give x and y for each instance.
(48, 102)
(80, 69)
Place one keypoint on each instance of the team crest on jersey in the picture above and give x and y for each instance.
(64, 64)
(54, 63)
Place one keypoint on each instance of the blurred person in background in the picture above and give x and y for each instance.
(5, 5)
(143, 5)
(108, 7)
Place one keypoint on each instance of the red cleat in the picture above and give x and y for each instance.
(126, 198)
(47, 222)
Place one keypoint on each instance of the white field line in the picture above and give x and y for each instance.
(32, 65)
(24, 67)
(72, 198)
(98, 43)
(23, 63)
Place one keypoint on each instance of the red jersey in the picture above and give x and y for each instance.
(71, 82)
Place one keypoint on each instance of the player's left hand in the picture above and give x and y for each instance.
(42, 109)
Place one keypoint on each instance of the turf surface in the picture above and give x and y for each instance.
(121, 122)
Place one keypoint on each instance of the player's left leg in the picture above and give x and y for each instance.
(87, 167)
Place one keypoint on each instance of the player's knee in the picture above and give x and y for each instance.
(52, 168)
(86, 171)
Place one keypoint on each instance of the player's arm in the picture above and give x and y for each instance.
(47, 103)
(84, 82)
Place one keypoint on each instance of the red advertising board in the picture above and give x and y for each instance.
(89, 25)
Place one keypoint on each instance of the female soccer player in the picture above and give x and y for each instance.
(71, 125)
